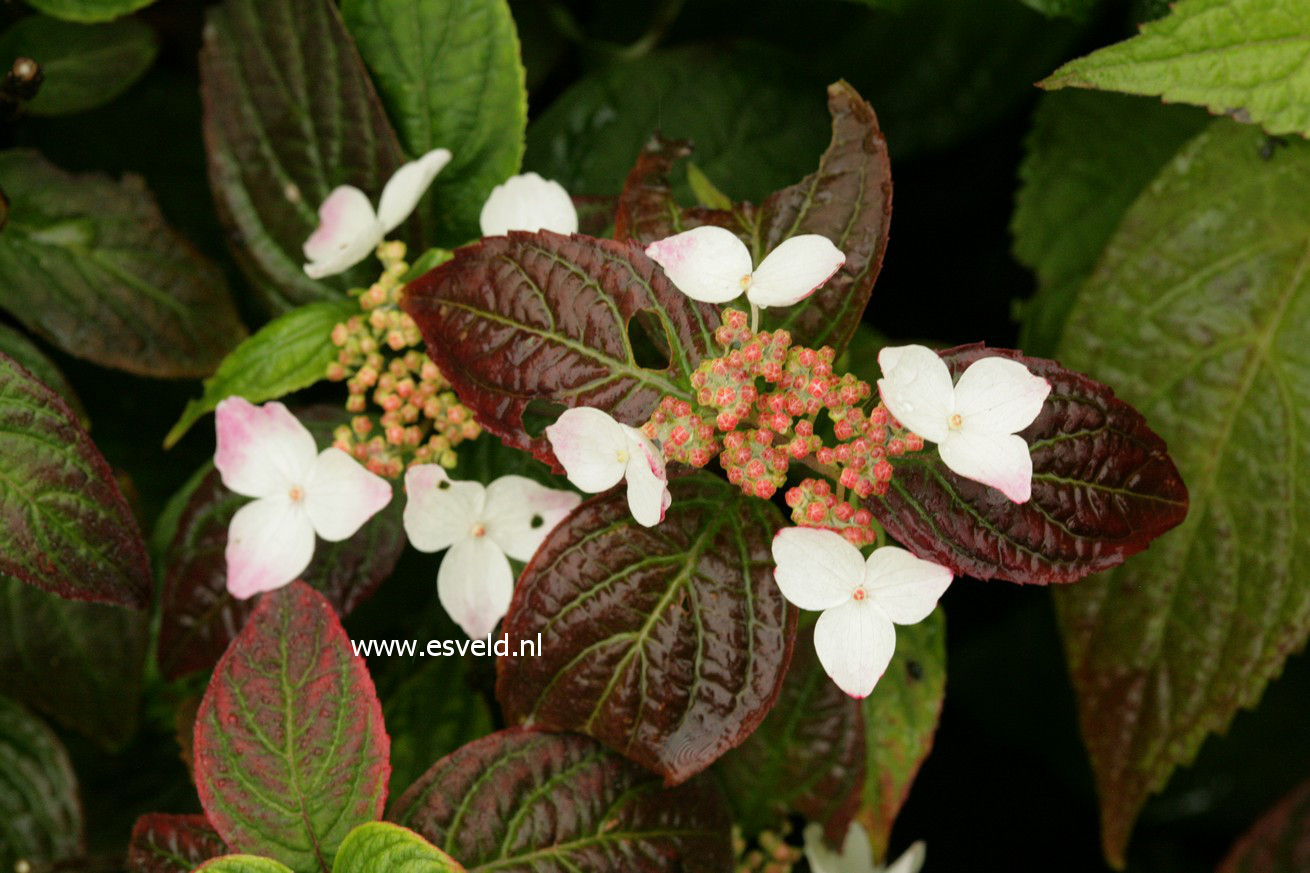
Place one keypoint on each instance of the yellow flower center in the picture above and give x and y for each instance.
(956, 421)
(296, 493)
(478, 530)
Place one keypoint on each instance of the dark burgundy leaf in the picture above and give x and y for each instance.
(807, 757)
(524, 801)
(1104, 486)
(543, 317)
(172, 844)
(1279, 842)
(668, 644)
(290, 750)
(848, 199)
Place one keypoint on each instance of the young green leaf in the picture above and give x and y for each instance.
(647, 632)
(89, 265)
(79, 663)
(848, 199)
(243, 864)
(66, 526)
(807, 757)
(25, 352)
(88, 11)
(290, 114)
(523, 800)
(200, 618)
(900, 720)
(1089, 156)
(450, 76)
(543, 317)
(290, 750)
(1206, 330)
(379, 846)
(1077, 9)
(1279, 842)
(82, 65)
(1103, 488)
(40, 814)
(172, 844)
(1244, 58)
(289, 353)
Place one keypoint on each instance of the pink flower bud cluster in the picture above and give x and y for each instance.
(814, 505)
(415, 417)
(685, 435)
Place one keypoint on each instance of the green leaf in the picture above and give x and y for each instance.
(380, 847)
(1079, 10)
(40, 814)
(1199, 314)
(707, 194)
(83, 65)
(290, 114)
(450, 76)
(900, 720)
(1244, 58)
(429, 260)
(243, 864)
(89, 265)
(289, 353)
(64, 524)
(25, 352)
(1089, 157)
(88, 10)
(1279, 842)
(80, 663)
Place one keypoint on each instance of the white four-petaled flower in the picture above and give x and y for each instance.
(861, 600)
(712, 265)
(266, 453)
(481, 526)
(856, 855)
(975, 422)
(598, 453)
(348, 228)
(528, 202)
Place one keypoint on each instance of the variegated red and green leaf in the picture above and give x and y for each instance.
(172, 843)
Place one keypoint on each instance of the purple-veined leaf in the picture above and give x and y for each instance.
(1279, 842)
(40, 813)
(172, 843)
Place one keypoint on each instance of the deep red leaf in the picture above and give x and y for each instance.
(668, 644)
(1279, 842)
(524, 801)
(848, 199)
(545, 317)
(290, 749)
(172, 843)
(1104, 486)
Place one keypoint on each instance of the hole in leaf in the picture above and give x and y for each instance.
(443, 485)
(540, 414)
(914, 669)
(537, 521)
(649, 340)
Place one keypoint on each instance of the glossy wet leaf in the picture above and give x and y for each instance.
(668, 644)
(83, 65)
(380, 846)
(172, 844)
(521, 801)
(290, 114)
(544, 317)
(1205, 331)
(88, 10)
(88, 264)
(290, 749)
(1104, 487)
(40, 813)
(848, 199)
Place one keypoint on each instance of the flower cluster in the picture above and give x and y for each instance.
(771, 854)
(418, 419)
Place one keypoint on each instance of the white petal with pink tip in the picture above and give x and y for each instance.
(340, 495)
(270, 542)
(709, 264)
(262, 450)
(475, 585)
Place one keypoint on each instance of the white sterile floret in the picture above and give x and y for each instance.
(598, 453)
(348, 228)
(861, 600)
(531, 203)
(266, 453)
(482, 526)
(712, 265)
(856, 854)
(975, 422)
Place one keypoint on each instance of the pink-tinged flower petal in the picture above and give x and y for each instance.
(269, 544)
(911, 860)
(340, 495)
(262, 450)
(648, 483)
(439, 511)
(347, 232)
(856, 855)
(907, 588)
(519, 513)
(916, 387)
(708, 263)
(794, 270)
(528, 202)
(855, 642)
(816, 569)
(475, 585)
(999, 460)
(406, 187)
(998, 395)
(591, 446)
